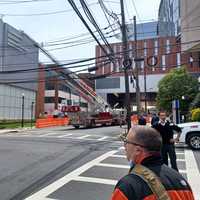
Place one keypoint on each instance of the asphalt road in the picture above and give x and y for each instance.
(65, 163)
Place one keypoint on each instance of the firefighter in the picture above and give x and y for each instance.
(148, 177)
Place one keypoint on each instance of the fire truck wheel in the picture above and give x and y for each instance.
(92, 123)
(76, 126)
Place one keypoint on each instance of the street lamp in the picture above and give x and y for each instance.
(22, 122)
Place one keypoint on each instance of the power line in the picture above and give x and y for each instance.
(21, 2)
(42, 14)
(50, 77)
(57, 67)
(86, 25)
(119, 52)
(92, 20)
(89, 59)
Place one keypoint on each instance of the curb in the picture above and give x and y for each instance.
(5, 131)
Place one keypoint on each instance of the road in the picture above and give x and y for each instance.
(65, 163)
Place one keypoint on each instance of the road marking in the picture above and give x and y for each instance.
(192, 173)
(112, 165)
(47, 134)
(180, 153)
(182, 171)
(102, 138)
(96, 180)
(118, 156)
(40, 195)
(178, 159)
(83, 137)
(62, 136)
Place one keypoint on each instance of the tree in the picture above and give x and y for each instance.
(178, 83)
(196, 114)
(196, 102)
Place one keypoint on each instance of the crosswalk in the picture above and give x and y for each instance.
(64, 136)
(99, 176)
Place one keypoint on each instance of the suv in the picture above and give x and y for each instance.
(190, 134)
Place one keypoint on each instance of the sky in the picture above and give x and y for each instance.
(35, 18)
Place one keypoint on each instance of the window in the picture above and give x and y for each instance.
(178, 60)
(142, 65)
(163, 62)
(167, 46)
(111, 67)
(145, 48)
(130, 50)
(156, 47)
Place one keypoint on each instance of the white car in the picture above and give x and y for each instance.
(190, 134)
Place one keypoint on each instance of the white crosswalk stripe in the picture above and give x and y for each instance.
(102, 161)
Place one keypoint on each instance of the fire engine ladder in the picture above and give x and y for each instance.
(77, 84)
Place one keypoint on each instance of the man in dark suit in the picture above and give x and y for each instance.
(166, 130)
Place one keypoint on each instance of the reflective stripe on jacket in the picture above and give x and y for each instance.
(132, 187)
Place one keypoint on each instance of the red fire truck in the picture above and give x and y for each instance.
(93, 118)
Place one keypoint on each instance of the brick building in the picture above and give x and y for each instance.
(161, 54)
(54, 92)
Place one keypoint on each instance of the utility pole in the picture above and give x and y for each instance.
(126, 64)
(145, 88)
(136, 69)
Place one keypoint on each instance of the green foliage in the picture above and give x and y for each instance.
(12, 124)
(196, 102)
(176, 84)
(196, 114)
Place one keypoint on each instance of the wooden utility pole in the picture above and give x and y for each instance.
(136, 68)
(126, 64)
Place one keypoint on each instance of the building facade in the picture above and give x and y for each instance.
(17, 52)
(160, 56)
(169, 23)
(144, 30)
(54, 92)
(190, 25)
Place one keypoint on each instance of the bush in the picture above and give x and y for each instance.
(196, 114)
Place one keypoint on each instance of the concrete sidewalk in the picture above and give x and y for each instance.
(15, 130)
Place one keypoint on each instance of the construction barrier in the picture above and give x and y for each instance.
(50, 122)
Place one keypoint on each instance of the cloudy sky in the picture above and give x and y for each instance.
(52, 22)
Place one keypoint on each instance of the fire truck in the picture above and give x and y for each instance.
(97, 112)
(93, 118)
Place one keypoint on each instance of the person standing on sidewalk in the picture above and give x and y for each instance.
(148, 177)
(166, 130)
(142, 120)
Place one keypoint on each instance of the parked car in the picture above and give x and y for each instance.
(190, 134)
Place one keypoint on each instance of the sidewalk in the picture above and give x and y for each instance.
(14, 130)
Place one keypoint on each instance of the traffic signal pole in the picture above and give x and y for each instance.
(126, 64)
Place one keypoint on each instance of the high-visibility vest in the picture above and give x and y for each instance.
(152, 181)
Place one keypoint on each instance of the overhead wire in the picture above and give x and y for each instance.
(104, 9)
(71, 64)
(87, 26)
(94, 23)
(185, 30)
(49, 78)
(44, 13)
(85, 60)
(21, 2)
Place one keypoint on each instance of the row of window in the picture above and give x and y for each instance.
(156, 47)
(152, 62)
